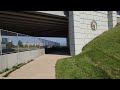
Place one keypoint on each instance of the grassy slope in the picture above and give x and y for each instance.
(100, 59)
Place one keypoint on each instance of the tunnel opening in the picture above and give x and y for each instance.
(61, 49)
(39, 24)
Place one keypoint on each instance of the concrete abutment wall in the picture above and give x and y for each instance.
(80, 32)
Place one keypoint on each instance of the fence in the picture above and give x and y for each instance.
(12, 42)
(16, 48)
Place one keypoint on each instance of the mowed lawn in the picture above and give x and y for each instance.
(100, 59)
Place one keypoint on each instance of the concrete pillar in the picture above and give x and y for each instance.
(112, 19)
(80, 30)
(71, 33)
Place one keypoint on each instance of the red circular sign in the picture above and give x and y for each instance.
(93, 25)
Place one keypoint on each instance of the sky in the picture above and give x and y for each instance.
(62, 41)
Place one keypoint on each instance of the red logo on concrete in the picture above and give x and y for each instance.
(93, 25)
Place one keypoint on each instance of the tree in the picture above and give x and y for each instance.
(26, 45)
(9, 45)
(20, 43)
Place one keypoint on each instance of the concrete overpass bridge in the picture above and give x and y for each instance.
(36, 23)
(80, 27)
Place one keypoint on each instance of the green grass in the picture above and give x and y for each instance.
(15, 68)
(4, 71)
(100, 59)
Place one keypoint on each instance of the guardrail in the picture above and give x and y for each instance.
(12, 42)
(16, 48)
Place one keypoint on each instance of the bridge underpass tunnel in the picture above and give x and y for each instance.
(37, 23)
(60, 48)
(75, 26)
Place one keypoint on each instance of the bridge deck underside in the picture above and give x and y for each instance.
(34, 24)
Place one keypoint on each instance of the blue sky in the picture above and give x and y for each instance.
(62, 41)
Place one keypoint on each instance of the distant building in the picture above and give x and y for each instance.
(63, 44)
(4, 42)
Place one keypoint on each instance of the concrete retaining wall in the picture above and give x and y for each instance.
(80, 32)
(10, 60)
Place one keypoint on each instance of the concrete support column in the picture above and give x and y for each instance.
(76, 32)
(71, 34)
(80, 30)
(112, 19)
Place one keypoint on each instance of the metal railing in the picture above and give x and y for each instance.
(12, 42)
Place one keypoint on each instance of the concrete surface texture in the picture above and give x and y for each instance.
(80, 31)
(10, 60)
(42, 67)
